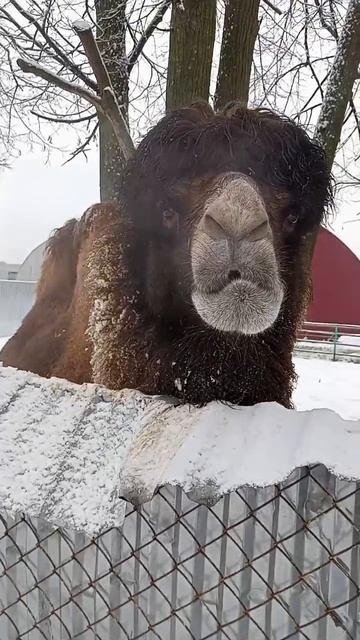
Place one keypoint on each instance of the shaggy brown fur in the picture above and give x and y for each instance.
(114, 300)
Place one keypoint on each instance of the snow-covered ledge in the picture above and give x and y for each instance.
(69, 452)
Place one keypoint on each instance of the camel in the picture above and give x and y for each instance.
(193, 285)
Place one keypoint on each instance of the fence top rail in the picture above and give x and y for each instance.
(18, 281)
(339, 325)
(316, 332)
(316, 336)
(102, 445)
(326, 344)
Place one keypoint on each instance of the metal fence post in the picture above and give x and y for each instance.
(335, 341)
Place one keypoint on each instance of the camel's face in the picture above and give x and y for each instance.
(214, 255)
(235, 275)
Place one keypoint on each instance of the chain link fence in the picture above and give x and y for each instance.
(273, 563)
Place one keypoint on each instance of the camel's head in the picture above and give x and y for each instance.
(222, 204)
(236, 282)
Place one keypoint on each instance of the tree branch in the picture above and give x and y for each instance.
(338, 95)
(135, 53)
(63, 120)
(30, 66)
(272, 6)
(341, 80)
(66, 61)
(108, 99)
(105, 103)
(83, 147)
(324, 23)
(307, 51)
(333, 32)
(29, 38)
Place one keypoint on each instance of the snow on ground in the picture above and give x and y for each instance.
(3, 341)
(350, 340)
(327, 384)
(323, 384)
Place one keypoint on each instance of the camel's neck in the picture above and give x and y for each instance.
(242, 370)
(196, 366)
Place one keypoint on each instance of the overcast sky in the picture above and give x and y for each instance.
(36, 197)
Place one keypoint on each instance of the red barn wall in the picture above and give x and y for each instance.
(336, 282)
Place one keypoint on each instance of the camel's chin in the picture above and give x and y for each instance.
(242, 306)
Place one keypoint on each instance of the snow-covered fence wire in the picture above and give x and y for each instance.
(16, 300)
(124, 516)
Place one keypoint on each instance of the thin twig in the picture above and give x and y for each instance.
(324, 23)
(307, 52)
(61, 120)
(82, 148)
(135, 53)
(272, 6)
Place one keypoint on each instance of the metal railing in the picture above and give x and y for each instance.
(273, 563)
(329, 340)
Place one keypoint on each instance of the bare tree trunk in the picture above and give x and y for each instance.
(338, 93)
(341, 80)
(111, 30)
(237, 48)
(193, 25)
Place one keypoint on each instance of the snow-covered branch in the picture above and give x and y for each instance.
(341, 80)
(108, 99)
(30, 66)
(106, 102)
(54, 46)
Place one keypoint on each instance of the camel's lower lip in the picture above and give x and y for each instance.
(241, 306)
(232, 286)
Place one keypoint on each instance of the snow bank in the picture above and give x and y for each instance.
(326, 384)
(353, 341)
(69, 452)
(3, 341)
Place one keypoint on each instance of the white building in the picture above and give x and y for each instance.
(30, 269)
(8, 271)
(17, 289)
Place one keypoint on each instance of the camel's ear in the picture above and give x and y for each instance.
(204, 109)
(231, 108)
(101, 216)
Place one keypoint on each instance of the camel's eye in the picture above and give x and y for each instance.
(170, 219)
(291, 221)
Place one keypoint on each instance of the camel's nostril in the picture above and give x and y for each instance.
(233, 275)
